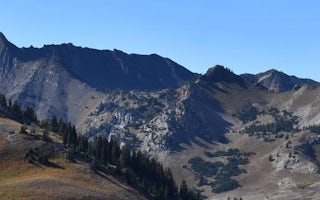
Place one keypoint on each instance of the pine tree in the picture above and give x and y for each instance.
(10, 103)
(183, 192)
(83, 144)
(45, 135)
(98, 151)
(16, 108)
(3, 100)
(115, 153)
(61, 127)
(125, 156)
(54, 123)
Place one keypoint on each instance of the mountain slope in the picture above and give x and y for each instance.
(277, 81)
(102, 69)
(69, 81)
(20, 179)
(254, 123)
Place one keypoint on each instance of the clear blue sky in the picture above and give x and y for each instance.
(246, 36)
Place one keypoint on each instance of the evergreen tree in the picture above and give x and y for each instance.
(45, 135)
(61, 127)
(16, 108)
(99, 148)
(105, 154)
(183, 192)
(30, 115)
(125, 157)
(54, 123)
(3, 100)
(83, 144)
(74, 135)
(115, 152)
(10, 103)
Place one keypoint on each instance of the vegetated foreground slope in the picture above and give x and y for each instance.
(60, 179)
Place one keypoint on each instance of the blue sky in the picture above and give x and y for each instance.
(246, 36)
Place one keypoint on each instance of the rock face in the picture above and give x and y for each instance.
(158, 122)
(66, 80)
(277, 81)
(103, 69)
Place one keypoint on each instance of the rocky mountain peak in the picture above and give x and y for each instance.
(3, 41)
(103, 69)
(273, 71)
(2, 37)
(277, 81)
(5, 45)
(220, 73)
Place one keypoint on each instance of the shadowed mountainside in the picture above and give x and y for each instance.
(103, 69)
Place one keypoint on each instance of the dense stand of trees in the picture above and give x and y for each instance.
(283, 121)
(27, 115)
(147, 174)
(66, 130)
(313, 128)
(248, 115)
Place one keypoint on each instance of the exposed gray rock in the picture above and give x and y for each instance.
(277, 81)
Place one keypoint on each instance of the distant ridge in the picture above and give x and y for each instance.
(277, 81)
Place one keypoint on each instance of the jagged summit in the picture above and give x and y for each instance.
(103, 69)
(220, 73)
(4, 42)
(2, 37)
(277, 81)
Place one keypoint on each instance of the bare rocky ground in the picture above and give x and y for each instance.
(284, 178)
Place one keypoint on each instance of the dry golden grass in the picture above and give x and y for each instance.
(22, 180)
(303, 185)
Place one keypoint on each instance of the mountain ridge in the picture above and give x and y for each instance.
(277, 81)
(105, 69)
(69, 80)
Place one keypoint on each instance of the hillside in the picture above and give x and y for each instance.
(207, 116)
(20, 179)
(227, 135)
